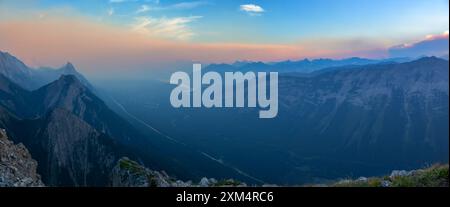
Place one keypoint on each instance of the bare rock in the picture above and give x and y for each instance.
(17, 168)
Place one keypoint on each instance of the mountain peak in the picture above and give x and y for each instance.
(69, 68)
(305, 60)
(429, 60)
(6, 55)
(8, 61)
(3, 54)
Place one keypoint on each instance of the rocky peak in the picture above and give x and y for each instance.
(15, 70)
(7, 59)
(10, 66)
(17, 168)
(69, 68)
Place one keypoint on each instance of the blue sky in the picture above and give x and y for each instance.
(280, 21)
(161, 32)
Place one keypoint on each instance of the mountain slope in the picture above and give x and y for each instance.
(70, 94)
(71, 133)
(355, 121)
(13, 98)
(15, 70)
(70, 152)
(393, 115)
(66, 113)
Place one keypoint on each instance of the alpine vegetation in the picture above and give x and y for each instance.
(214, 95)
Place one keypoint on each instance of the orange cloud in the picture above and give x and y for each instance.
(438, 36)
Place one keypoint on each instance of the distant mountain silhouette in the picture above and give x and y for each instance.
(31, 79)
(300, 66)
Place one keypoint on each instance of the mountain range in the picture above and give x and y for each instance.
(385, 114)
(348, 117)
(299, 66)
(72, 133)
(338, 122)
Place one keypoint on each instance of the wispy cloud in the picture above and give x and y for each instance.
(102, 47)
(177, 6)
(252, 9)
(143, 8)
(110, 11)
(173, 28)
(117, 1)
(188, 5)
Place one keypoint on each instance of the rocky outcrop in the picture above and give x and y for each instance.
(17, 168)
(128, 173)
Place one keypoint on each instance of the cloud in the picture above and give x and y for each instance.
(173, 28)
(110, 11)
(252, 9)
(117, 1)
(143, 8)
(96, 47)
(432, 45)
(188, 5)
(153, 44)
(438, 36)
(177, 6)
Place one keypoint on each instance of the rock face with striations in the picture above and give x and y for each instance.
(17, 168)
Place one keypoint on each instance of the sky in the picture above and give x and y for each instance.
(129, 35)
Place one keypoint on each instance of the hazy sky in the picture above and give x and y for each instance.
(99, 35)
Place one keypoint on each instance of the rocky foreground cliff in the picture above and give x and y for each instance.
(17, 167)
